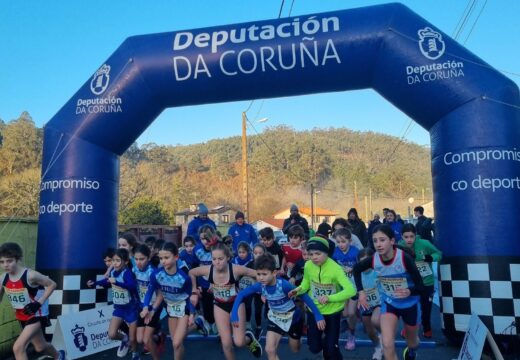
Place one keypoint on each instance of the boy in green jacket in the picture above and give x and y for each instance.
(425, 253)
(329, 289)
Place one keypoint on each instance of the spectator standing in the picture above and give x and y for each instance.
(424, 226)
(324, 228)
(242, 231)
(357, 226)
(295, 219)
(199, 221)
(370, 231)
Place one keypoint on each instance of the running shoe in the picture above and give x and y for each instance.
(214, 329)
(378, 353)
(428, 334)
(135, 356)
(409, 354)
(254, 346)
(122, 350)
(351, 342)
(161, 343)
(61, 355)
(202, 325)
(146, 351)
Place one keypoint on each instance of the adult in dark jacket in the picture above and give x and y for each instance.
(199, 221)
(295, 219)
(242, 231)
(370, 230)
(424, 225)
(357, 226)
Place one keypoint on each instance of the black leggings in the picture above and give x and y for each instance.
(257, 298)
(426, 307)
(330, 343)
(207, 306)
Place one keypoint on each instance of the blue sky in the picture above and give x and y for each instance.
(50, 48)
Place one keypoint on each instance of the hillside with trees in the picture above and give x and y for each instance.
(341, 163)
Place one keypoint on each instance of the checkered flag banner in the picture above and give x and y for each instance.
(73, 295)
(487, 286)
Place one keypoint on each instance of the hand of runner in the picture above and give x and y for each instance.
(323, 299)
(292, 293)
(401, 293)
(362, 301)
(321, 325)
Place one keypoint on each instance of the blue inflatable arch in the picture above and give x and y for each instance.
(463, 102)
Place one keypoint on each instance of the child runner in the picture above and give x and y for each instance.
(174, 287)
(400, 287)
(223, 277)
(346, 256)
(27, 290)
(243, 256)
(425, 253)
(208, 238)
(129, 242)
(284, 317)
(245, 282)
(371, 316)
(187, 254)
(329, 289)
(292, 252)
(297, 271)
(143, 271)
(272, 247)
(125, 299)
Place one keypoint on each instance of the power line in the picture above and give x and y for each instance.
(465, 18)
(475, 22)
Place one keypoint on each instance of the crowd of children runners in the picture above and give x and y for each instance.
(316, 287)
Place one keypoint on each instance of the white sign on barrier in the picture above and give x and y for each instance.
(84, 333)
(474, 340)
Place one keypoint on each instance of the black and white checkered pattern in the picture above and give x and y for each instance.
(72, 294)
(489, 287)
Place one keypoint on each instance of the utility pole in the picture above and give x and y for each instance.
(312, 206)
(245, 190)
(366, 208)
(422, 196)
(370, 195)
(356, 203)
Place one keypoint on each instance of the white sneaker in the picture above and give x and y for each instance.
(122, 350)
(378, 353)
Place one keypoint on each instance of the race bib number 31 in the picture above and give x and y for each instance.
(390, 285)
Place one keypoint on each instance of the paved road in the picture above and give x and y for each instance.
(198, 348)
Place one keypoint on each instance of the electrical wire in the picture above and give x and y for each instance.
(475, 22)
(465, 19)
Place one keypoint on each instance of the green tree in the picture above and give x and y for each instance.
(21, 145)
(145, 211)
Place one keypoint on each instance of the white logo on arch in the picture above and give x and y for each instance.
(430, 43)
(100, 80)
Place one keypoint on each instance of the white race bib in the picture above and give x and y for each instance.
(372, 297)
(390, 285)
(17, 297)
(120, 296)
(245, 282)
(318, 290)
(424, 268)
(282, 320)
(176, 309)
(223, 292)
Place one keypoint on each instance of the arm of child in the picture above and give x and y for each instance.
(193, 273)
(36, 278)
(434, 254)
(129, 283)
(347, 291)
(242, 294)
(287, 287)
(358, 270)
(152, 287)
(240, 270)
(418, 287)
